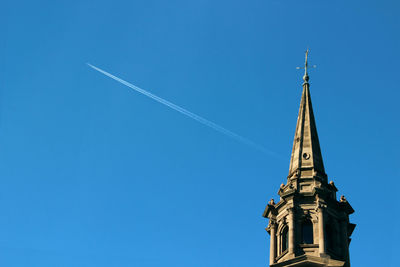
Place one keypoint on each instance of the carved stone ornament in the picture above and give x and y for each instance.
(271, 202)
(307, 214)
(320, 206)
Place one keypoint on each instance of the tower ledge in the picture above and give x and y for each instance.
(310, 261)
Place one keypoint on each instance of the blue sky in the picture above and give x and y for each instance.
(95, 174)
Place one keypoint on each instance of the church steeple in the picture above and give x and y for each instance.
(308, 225)
(306, 152)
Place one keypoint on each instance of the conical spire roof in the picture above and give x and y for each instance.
(306, 152)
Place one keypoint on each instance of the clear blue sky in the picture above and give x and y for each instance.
(95, 174)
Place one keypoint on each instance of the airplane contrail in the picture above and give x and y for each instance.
(188, 113)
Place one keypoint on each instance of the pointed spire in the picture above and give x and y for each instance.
(306, 152)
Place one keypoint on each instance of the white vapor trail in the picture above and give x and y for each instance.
(188, 113)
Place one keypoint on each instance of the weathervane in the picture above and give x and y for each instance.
(305, 77)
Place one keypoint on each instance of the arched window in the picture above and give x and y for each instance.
(307, 232)
(284, 239)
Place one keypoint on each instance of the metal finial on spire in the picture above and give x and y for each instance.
(306, 77)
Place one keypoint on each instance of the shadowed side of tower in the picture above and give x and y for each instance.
(308, 226)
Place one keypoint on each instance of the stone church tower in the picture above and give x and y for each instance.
(308, 226)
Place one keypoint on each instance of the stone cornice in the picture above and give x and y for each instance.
(269, 210)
